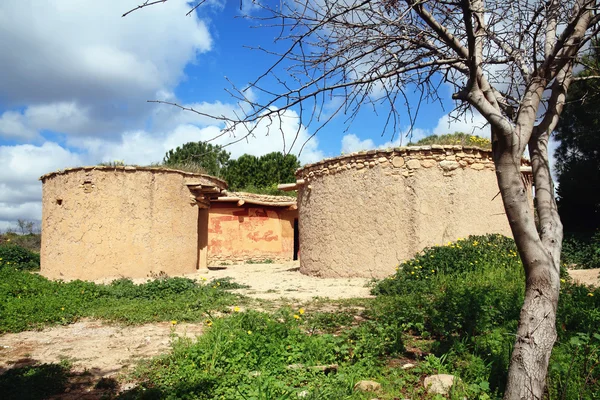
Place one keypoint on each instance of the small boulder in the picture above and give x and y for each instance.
(367, 386)
(439, 384)
(408, 366)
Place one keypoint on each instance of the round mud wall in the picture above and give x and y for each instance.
(121, 222)
(363, 213)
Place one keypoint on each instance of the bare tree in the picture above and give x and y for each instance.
(512, 61)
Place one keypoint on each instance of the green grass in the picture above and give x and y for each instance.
(30, 301)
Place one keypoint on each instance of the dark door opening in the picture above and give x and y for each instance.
(296, 239)
(202, 261)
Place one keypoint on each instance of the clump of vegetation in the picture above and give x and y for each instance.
(581, 251)
(271, 356)
(466, 296)
(29, 301)
(457, 138)
(14, 256)
(34, 382)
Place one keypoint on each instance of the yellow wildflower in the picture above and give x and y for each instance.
(173, 322)
(249, 332)
(591, 294)
(208, 322)
(62, 309)
(301, 311)
(296, 316)
(236, 309)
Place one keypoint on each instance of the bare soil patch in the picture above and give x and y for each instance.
(586, 276)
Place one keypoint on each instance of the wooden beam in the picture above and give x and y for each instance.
(257, 202)
(287, 187)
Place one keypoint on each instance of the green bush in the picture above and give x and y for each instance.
(467, 296)
(581, 251)
(12, 255)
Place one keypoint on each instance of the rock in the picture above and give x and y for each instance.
(367, 386)
(408, 366)
(413, 164)
(449, 165)
(303, 393)
(478, 166)
(427, 163)
(439, 384)
(398, 161)
(324, 368)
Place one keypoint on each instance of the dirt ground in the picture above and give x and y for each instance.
(586, 276)
(105, 350)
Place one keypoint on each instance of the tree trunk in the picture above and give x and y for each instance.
(536, 335)
(536, 332)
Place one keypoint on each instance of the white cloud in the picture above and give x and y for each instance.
(142, 147)
(20, 190)
(14, 125)
(352, 143)
(474, 124)
(86, 55)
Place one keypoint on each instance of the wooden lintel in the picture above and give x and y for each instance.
(293, 207)
(286, 187)
(256, 202)
(240, 202)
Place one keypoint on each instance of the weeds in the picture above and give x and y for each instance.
(30, 301)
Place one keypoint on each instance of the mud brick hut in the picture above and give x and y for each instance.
(361, 214)
(100, 222)
(103, 222)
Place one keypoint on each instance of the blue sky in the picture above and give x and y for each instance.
(75, 80)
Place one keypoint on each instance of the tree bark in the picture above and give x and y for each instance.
(536, 332)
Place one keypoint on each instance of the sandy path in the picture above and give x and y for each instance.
(586, 276)
(100, 348)
(274, 281)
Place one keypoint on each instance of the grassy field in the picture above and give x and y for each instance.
(452, 309)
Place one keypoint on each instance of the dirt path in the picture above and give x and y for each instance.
(586, 276)
(100, 348)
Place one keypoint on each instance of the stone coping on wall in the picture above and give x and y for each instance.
(258, 199)
(130, 168)
(406, 160)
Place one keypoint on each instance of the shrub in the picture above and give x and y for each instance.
(12, 255)
(581, 251)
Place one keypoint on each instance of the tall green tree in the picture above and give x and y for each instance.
(262, 172)
(210, 158)
(578, 154)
